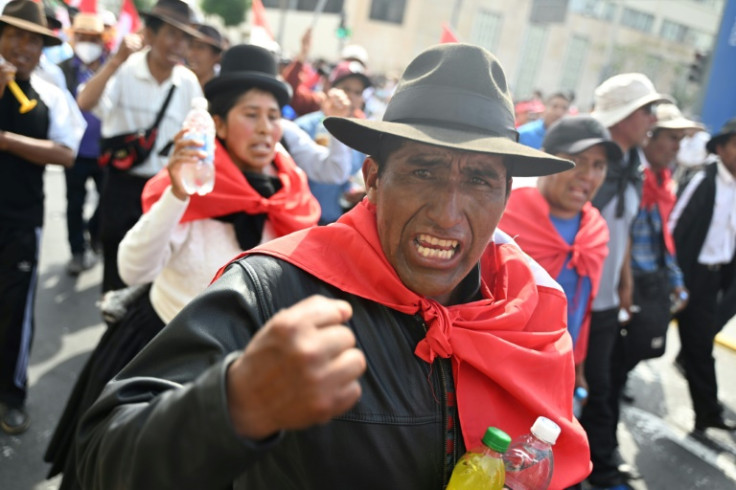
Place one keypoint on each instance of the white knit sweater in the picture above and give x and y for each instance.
(180, 258)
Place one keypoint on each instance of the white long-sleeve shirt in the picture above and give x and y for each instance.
(180, 258)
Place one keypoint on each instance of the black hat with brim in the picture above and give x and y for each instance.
(248, 66)
(175, 13)
(728, 130)
(433, 105)
(575, 134)
(29, 16)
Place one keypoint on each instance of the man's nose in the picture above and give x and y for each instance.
(445, 207)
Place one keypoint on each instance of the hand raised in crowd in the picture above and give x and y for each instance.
(300, 369)
(185, 151)
(306, 45)
(7, 74)
(129, 45)
(336, 103)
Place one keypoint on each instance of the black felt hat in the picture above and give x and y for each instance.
(455, 96)
(245, 66)
(728, 130)
(29, 16)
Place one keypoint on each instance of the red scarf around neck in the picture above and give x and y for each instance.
(527, 220)
(663, 195)
(291, 208)
(510, 352)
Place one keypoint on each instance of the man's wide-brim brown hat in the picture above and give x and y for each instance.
(452, 95)
(176, 13)
(29, 16)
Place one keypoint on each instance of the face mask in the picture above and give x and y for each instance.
(88, 52)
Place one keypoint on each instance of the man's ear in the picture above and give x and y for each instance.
(370, 177)
(220, 127)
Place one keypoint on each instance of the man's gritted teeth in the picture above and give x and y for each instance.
(431, 246)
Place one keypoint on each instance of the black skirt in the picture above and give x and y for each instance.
(119, 344)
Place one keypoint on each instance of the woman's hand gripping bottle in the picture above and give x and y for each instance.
(482, 468)
(199, 178)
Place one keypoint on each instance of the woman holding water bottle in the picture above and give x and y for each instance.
(185, 235)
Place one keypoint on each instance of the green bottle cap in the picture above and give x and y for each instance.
(496, 439)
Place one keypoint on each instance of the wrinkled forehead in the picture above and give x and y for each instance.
(414, 151)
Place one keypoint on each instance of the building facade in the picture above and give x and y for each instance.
(544, 45)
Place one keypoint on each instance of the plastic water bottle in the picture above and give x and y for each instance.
(482, 468)
(529, 460)
(578, 400)
(199, 178)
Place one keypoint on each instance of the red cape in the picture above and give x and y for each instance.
(510, 351)
(291, 208)
(527, 220)
(663, 195)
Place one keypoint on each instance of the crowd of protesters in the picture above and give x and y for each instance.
(382, 271)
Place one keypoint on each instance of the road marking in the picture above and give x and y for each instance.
(654, 427)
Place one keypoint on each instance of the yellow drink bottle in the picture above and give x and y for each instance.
(482, 468)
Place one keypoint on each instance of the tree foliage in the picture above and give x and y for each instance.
(232, 12)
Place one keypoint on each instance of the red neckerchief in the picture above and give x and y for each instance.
(663, 195)
(291, 208)
(510, 352)
(527, 220)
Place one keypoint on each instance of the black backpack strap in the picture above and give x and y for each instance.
(161, 111)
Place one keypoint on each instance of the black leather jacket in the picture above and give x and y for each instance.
(163, 422)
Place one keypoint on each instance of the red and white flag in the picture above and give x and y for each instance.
(259, 18)
(447, 35)
(128, 21)
(89, 6)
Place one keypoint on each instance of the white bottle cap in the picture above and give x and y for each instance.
(199, 103)
(546, 430)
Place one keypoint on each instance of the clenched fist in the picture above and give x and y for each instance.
(300, 369)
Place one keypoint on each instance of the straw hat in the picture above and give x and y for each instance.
(670, 117)
(88, 23)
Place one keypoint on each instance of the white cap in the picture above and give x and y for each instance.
(355, 52)
(546, 430)
(621, 95)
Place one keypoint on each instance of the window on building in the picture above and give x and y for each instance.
(635, 19)
(388, 10)
(673, 31)
(700, 40)
(486, 29)
(532, 54)
(598, 9)
(573, 63)
(331, 6)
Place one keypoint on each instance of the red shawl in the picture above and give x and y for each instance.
(527, 220)
(663, 195)
(510, 351)
(291, 208)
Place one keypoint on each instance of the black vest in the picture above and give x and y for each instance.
(694, 222)
(21, 182)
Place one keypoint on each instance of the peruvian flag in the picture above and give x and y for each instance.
(89, 6)
(447, 35)
(259, 18)
(128, 21)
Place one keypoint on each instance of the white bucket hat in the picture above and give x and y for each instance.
(619, 96)
(670, 117)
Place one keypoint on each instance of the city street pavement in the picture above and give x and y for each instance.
(654, 434)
